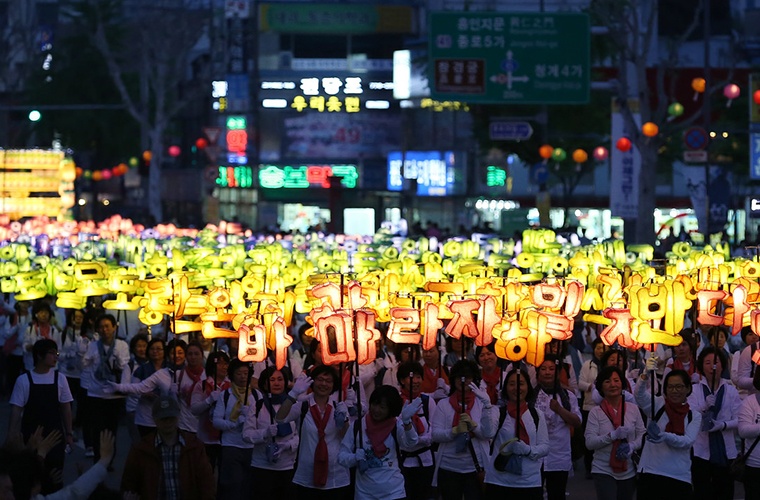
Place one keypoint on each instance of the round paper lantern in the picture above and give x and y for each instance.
(675, 109)
(87, 174)
(601, 153)
(68, 171)
(97, 175)
(123, 168)
(545, 151)
(650, 129)
(756, 96)
(133, 162)
(559, 154)
(105, 174)
(116, 171)
(623, 144)
(731, 91)
(201, 143)
(698, 84)
(580, 156)
(147, 156)
(79, 171)
(174, 151)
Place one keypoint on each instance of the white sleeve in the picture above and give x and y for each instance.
(64, 392)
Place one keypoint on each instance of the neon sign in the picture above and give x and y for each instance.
(495, 176)
(235, 177)
(434, 171)
(306, 176)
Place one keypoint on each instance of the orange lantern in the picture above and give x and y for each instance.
(650, 129)
(545, 151)
(147, 156)
(97, 175)
(698, 84)
(79, 171)
(580, 156)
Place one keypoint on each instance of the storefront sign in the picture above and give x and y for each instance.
(235, 177)
(335, 18)
(433, 170)
(306, 176)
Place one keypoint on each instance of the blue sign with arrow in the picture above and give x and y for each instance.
(510, 131)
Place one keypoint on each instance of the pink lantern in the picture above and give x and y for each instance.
(174, 151)
(601, 153)
(106, 174)
(623, 144)
(731, 91)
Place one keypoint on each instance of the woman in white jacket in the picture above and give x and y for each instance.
(715, 447)
(523, 438)
(749, 431)
(463, 424)
(665, 466)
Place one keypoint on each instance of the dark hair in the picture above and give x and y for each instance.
(41, 306)
(194, 343)
(392, 398)
(404, 369)
(175, 343)
(605, 374)
(109, 317)
(268, 372)
(464, 368)
(235, 365)
(706, 352)
(523, 374)
(137, 338)
(319, 370)
(623, 355)
(490, 347)
(42, 347)
(70, 317)
(756, 380)
(212, 360)
(746, 330)
(677, 373)
(688, 335)
(156, 340)
(466, 342)
(399, 349)
(714, 331)
(26, 471)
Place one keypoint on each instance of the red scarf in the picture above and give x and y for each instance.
(455, 401)
(419, 426)
(617, 420)
(430, 378)
(211, 431)
(321, 458)
(676, 415)
(678, 365)
(195, 375)
(44, 330)
(492, 384)
(378, 432)
(512, 410)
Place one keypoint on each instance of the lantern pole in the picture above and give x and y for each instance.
(654, 374)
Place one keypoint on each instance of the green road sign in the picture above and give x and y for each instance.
(514, 57)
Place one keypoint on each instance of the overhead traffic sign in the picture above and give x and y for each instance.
(510, 131)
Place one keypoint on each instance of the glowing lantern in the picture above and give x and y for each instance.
(650, 129)
(147, 156)
(559, 154)
(115, 171)
(731, 91)
(623, 144)
(201, 143)
(675, 110)
(105, 174)
(580, 156)
(133, 162)
(97, 175)
(79, 171)
(698, 84)
(600, 153)
(545, 151)
(756, 96)
(68, 171)
(174, 151)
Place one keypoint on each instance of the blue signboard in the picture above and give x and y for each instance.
(754, 156)
(433, 170)
(510, 131)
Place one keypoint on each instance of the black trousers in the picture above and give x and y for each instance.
(711, 482)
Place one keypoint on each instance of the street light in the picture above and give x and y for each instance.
(34, 115)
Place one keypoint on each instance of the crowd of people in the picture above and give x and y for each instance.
(450, 422)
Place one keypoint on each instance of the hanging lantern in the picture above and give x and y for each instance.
(731, 91)
(116, 171)
(601, 153)
(623, 144)
(147, 156)
(133, 162)
(756, 96)
(105, 174)
(698, 84)
(174, 151)
(545, 151)
(675, 110)
(559, 154)
(201, 143)
(79, 171)
(650, 129)
(97, 175)
(580, 156)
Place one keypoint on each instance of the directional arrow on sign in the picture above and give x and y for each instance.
(510, 131)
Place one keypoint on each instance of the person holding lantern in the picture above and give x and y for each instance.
(683, 356)
(462, 426)
(274, 445)
(749, 431)
(745, 371)
(749, 339)
(230, 413)
(563, 417)
(514, 468)
(435, 379)
(665, 466)
(718, 401)
(143, 410)
(586, 380)
(203, 400)
(41, 327)
(492, 376)
(618, 359)
(373, 445)
(614, 431)
(416, 462)
(717, 337)
(322, 424)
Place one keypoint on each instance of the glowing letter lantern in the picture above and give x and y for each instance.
(404, 325)
(252, 350)
(335, 327)
(707, 300)
(511, 340)
(366, 337)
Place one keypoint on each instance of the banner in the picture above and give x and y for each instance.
(625, 168)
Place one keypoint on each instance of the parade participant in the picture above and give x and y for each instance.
(613, 432)
(462, 425)
(717, 337)
(563, 417)
(230, 411)
(749, 431)
(402, 354)
(522, 439)
(718, 402)
(618, 359)
(39, 328)
(274, 445)
(374, 445)
(14, 341)
(168, 463)
(417, 462)
(42, 398)
(454, 350)
(74, 342)
(322, 424)
(435, 379)
(492, 376)
(138, 349)
(586, 381)
(203, 400)
(144, 401)
(683, 357)
(105, 362)
(738, 378)
(665, 466)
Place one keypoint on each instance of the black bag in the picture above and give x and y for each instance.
(738, 466)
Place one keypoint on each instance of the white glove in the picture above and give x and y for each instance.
(212, 397)
(410, 410)
(341, 415)
(695, 378)
(619, 433)
(652, 363)
(442, 389)
(520, 448)
(360, 455)
(272, 430)
(710, 400)
(717, 426)
(300, 386)
(351, 397)
(480, 394)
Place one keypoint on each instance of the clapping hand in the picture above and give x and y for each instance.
(479, 393)
(410, 410)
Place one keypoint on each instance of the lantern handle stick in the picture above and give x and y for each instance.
(248, 383)
(517, 411)
(654, 374)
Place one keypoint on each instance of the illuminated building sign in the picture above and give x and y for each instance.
(443, 105)
(235, 177)
(333, 94)
(306, 176)
(433, 170)
(219, 94)
(237, 137)
(495, 176)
